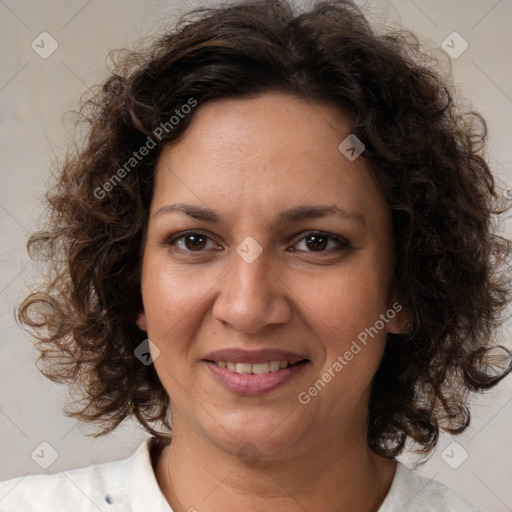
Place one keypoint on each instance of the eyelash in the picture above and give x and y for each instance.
(343, 244)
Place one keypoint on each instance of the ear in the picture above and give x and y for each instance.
(141, 321)
(398, 319)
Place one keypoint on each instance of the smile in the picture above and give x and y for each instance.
(255, 369)
(251, 379)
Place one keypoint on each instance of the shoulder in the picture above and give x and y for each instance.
(107, 487)
(411, 492)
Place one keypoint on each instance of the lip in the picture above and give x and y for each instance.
(253, 385)
(237, 355)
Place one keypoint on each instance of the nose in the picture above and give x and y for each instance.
(252, 297)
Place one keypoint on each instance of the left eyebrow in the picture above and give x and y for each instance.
(317, 212)
(289, 216)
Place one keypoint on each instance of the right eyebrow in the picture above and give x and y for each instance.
(196, 212)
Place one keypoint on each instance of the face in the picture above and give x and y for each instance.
(266, 244)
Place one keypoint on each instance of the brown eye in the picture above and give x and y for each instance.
(195, 242)
(316, 242)
(321, 242)
(190, 242)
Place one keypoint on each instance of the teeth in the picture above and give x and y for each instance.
(260, 368)
(256, 368)
(243, 367)
(274, 366)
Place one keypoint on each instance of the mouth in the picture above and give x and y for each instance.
(254, 373)
(255, 368)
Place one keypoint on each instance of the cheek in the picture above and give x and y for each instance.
(343, 308)
(175, 304)
(344, 302)
(172, 295)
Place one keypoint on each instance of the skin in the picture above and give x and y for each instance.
(250, 159)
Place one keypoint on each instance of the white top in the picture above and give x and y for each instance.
(130, 485)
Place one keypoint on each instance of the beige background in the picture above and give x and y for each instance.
(35, 94)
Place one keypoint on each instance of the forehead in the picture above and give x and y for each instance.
(272, 150)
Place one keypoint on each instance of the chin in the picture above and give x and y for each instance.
(263, 437)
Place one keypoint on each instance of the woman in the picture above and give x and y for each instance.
(277, 238)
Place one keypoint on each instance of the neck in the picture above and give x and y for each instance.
(195, 475)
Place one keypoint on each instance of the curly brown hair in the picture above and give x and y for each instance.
(427, 154)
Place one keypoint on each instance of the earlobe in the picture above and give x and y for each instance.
(398, 322)
(141, 321)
